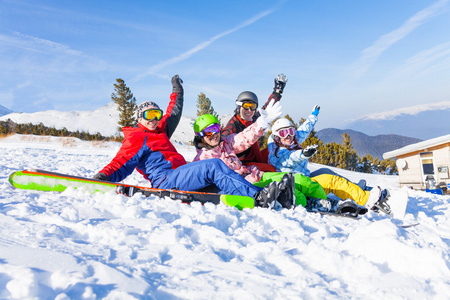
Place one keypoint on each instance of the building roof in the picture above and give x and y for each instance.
(418, 146)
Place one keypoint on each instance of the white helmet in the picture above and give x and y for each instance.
(280, 124)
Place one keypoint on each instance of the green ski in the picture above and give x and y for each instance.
(40, 180)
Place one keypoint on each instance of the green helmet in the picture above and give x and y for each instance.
(204, 121)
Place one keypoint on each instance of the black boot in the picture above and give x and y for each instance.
(287, 191)
(268, 196)
(348, 207)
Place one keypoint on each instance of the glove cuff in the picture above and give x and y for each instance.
(176, 84)
(177, 89)
(278, 90)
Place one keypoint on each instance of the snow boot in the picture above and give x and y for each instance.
(378, 200)
(287, 191)
(267, 198)
(374, 196)
(348, 207)
(362, 210)
(321, 205)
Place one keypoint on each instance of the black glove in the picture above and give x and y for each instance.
(309, 151)
(177, 84)
(280, 83)
(101, 176)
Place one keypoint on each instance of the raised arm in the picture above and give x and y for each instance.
(175, 108)
(279, 84)
(305, 129)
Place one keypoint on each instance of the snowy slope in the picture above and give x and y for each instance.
(421, 121)
(106, 246)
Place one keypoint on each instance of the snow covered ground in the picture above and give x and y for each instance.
(106, 246)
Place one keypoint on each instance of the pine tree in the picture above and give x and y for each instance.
(351, 158)
(126, 104)
(365, 164)
(204, 106)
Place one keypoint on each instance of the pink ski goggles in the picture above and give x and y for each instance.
(285, 132)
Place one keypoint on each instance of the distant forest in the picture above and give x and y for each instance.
(9, 127)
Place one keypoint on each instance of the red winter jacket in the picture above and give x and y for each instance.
(149, 152)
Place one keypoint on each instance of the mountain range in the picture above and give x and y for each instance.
(424, 121)
(4, 111)
(365, 144)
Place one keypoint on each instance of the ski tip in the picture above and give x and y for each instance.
(11, 179)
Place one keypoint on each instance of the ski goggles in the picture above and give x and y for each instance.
(152, 114)
(209, 131)
(285, 132)
(248, 105)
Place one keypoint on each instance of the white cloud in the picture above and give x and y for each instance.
(32, 56)
(34, 44)
(201, 46)
(412, 110)
(428, 61)
(371, 54)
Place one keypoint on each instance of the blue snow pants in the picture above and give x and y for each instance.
(199, 174)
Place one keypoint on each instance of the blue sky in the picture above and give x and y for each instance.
(350, 57)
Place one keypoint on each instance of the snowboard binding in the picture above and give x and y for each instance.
(382, 204)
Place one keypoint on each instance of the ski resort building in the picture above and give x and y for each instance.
(417, 162)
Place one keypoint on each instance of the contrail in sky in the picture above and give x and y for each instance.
(202, 45)
(371, 54)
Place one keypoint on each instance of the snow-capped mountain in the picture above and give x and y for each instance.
(422, 121)
(102, 120)
(4, 111)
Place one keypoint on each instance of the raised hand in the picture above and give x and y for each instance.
(280, 83)
(315, 110)
(177, 83)
(272, 111)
